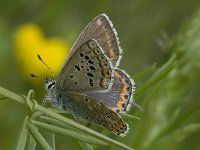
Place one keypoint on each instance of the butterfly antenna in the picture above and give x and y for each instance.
(46, 66)
(35, 76)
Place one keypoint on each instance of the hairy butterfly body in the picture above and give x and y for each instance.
(90, 85)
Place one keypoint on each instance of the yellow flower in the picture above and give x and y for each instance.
(29, 41)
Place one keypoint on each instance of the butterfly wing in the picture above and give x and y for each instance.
(101, 29)
(119, 96)
(87, 69)
(94, 111)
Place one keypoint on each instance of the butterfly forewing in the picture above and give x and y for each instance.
(101, 29)
(87, 69)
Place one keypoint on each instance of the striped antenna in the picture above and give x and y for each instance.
(39, 57)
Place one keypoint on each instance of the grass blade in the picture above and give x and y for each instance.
(86, 146)
(23, 136)
(38, 137)
(144, 73)
(32, 143)
(159, 75)
(68, 133)
(176, 136)
(83, 128)
(12, 95)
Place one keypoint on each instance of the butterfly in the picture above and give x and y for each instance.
(90, 85)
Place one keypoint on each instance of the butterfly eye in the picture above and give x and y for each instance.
(50, 86)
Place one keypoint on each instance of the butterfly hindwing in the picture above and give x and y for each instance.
(94, 111)
(119, 96)
(87, 69)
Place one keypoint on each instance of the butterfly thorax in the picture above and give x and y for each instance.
(55, 96)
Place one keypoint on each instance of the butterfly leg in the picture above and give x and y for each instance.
(45, 99)
(76, 118)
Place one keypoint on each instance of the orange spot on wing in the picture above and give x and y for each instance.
(122, 96)
(124, 81)
(120, 104)
(125, 88)
(112, 54)
(117, 74)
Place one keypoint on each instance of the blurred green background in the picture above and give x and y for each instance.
(149, 32)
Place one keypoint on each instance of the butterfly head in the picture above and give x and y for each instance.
(49, 84)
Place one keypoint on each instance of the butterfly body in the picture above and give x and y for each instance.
(90, 85)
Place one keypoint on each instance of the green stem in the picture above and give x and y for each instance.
(38, 137)
(12, 95)
(50, 113)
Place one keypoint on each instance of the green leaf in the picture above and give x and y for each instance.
(158, 76)
(86, 146)
(23, 136)
(3, 98)
(176, 136)
(65, 120)
(32, 143)
(68, 133)
(51, 139)
(38, 137)
(144, 73)
(50, 120)
(124, 115)
(83, 128)
(12, 95)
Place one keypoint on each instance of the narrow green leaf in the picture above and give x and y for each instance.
(144, 73)
(83, 128)
(159, 75)
(3, 98)
(22, 100)
(32, 143)
(51, 139)
(68, 133)
(38, 137)
(55, 122)
(23, 136)
(178, 121)
(11, 95)
(129, 116)
(86, 146)
(176, 136)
